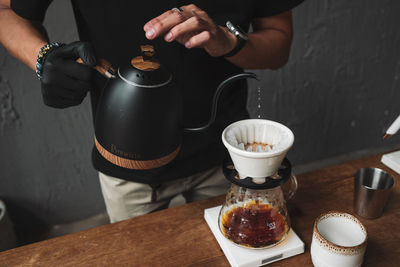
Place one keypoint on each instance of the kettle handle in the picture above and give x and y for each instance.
(106, 69)
(222, 85)
(103, 67)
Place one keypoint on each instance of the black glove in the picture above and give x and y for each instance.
(66, 82)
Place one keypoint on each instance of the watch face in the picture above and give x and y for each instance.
(230, 26)
(243, 35)
(237, 31)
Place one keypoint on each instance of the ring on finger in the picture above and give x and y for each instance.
(180, 10)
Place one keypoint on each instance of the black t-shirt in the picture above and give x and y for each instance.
(115, 28)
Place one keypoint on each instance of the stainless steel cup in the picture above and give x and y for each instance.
(371, 191)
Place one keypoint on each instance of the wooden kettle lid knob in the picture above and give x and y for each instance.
(146, 61)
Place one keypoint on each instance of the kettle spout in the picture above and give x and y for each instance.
(240, 76)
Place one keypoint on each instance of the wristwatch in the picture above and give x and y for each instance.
(241, 38)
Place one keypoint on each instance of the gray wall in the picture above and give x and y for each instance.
(46, 175)
(341, 88)
(338, 94)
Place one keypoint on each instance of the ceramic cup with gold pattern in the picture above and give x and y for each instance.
(339, 239)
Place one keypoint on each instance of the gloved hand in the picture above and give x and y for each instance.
(66, 82)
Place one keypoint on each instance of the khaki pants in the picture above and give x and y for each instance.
(125, 199)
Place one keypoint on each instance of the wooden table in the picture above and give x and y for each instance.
(180, 237)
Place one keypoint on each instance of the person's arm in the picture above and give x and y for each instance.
(64, 81)
(268, 46)
(22, 38)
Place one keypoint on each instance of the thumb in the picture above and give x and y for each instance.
(75, 50)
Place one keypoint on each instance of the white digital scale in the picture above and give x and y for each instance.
(392, 160)
(245, 257)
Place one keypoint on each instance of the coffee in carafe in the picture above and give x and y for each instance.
(254, 225)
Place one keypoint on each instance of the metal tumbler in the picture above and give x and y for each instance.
(371, 191)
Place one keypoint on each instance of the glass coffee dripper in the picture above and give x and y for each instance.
(255, 215)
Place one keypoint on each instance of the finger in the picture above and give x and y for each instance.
(150, 23)
(163, 23)
(198, 40)
(59, 102)
(86, 53)
(186, 10)
(190, 9)
(74, 69)
(192, 25)
(75, 50)
(62, 92)
(62, 80)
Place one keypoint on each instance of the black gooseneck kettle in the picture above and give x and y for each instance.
(129, 131)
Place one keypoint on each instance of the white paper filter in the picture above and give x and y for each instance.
(257, 147)
(275, 138)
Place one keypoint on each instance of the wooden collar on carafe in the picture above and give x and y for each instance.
(146, 61)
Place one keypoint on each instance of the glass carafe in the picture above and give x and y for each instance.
(257, 218)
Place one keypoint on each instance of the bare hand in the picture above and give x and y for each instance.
(193, 28)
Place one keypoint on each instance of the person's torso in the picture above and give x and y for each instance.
(115, 28)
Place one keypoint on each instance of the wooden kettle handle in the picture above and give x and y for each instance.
(103, 67)
(144, 62)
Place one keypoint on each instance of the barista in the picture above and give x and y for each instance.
(192, 41)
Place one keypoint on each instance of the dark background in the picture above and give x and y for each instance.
(338, 93)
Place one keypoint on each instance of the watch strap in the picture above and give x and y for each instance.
(240, 35)
(239, 45)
